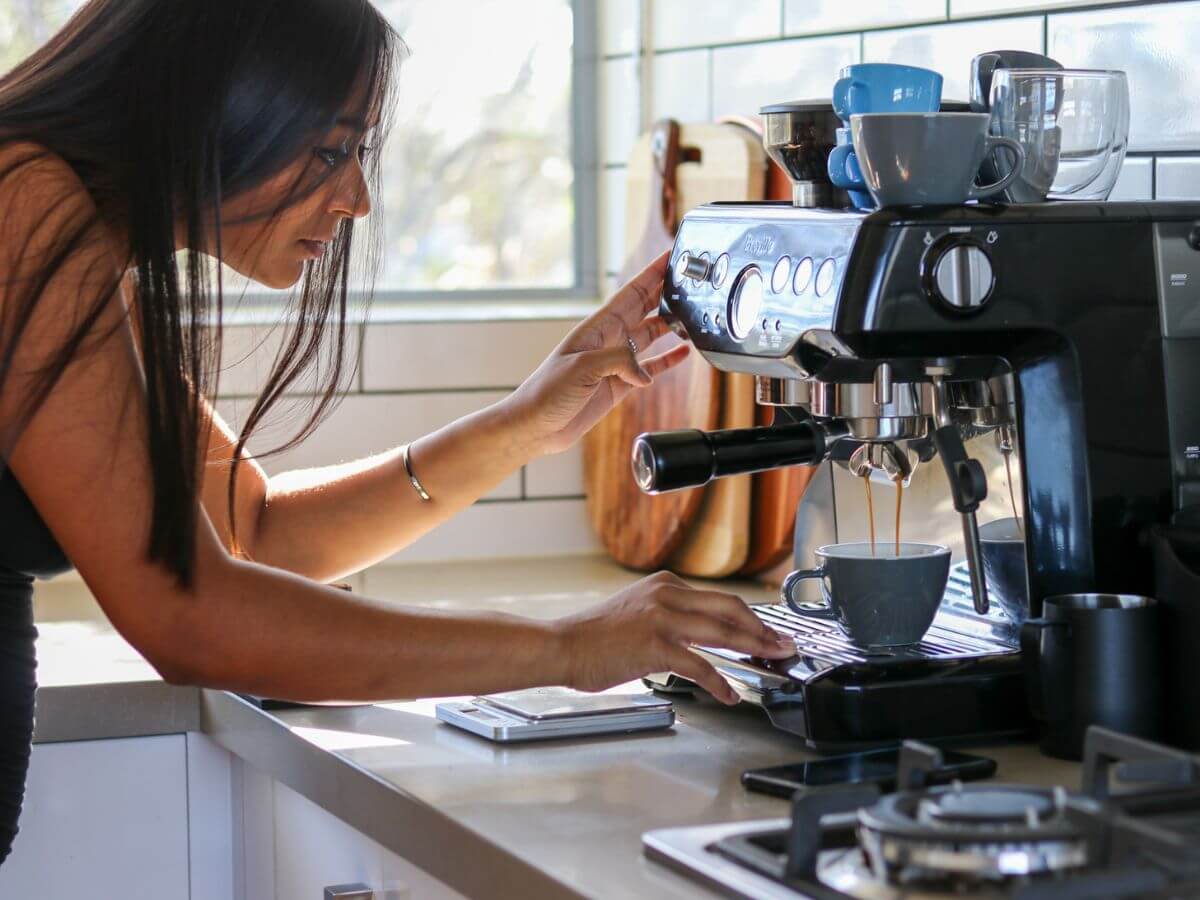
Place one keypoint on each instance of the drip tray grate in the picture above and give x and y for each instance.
(820, 637)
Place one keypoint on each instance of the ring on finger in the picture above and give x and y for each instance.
(633, 347)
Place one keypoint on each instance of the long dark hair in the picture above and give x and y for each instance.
(164, 109)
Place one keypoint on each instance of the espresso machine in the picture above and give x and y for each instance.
(1028, 361)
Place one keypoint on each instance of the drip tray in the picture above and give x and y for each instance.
(821, 638)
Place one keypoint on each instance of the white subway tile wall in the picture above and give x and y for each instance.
(618, 26)
(456, 355)
(613, 210)
(1156, 46)
(683, 85)
(817, 16)
(1178, 178)
(415, 378)
(248, 354)
(949, 48)
(1136, 181)
(488, 530)
(747, 77)
(687, 23)
(962, 8)
(618, 108)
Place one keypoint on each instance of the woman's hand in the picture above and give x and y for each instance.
(595, 367)
(650, 626)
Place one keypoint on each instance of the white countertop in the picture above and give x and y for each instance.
(560, 818)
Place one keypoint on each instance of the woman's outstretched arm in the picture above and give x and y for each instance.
(330, 522)
(83, 461)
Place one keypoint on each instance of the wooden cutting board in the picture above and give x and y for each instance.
(718, 543)
(775, 495)
(716, 163)
(639, 530)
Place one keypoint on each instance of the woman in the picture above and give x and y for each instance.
(239, 130)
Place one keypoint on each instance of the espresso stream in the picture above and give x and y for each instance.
(899, 482)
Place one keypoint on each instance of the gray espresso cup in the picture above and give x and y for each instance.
(928, 159)
(880, 600)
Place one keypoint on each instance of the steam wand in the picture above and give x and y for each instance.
(968, 484)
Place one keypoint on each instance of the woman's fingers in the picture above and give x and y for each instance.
(595, 365)
(649, 331)
(728, 607)
(664, 362)
(640, 297)
(686, 663)
(709, 631)
(755, 635)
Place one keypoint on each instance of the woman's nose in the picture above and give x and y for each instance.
(352, 197)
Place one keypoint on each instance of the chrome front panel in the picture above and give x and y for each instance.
(801, 256)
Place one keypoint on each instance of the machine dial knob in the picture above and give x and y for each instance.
(697, 267)
(959, 273)
(745, 302)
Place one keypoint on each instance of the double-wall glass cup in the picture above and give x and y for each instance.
(1073, 125)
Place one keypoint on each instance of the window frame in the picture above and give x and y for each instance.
(489, 302)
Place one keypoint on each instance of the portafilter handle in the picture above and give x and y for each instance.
(674, 460)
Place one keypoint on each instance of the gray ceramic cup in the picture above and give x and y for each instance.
(880, 600)
(928, 159)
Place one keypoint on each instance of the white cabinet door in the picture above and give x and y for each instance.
(315, 850)
(103, 819)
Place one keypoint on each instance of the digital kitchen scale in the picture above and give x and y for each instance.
(544, 713)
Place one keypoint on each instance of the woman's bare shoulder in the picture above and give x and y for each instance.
(26, 165)
(42, 202)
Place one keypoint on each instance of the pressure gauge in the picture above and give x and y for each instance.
(745, 302)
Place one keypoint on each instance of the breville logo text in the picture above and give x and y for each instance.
(758, 246)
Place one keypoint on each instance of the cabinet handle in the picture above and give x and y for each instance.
(349, 892)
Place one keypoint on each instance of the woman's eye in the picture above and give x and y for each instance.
(335, 157)
(331, 158)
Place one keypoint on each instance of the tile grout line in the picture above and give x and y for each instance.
(981, 18)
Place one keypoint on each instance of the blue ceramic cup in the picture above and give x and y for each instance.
(877, 88)
(853, 174)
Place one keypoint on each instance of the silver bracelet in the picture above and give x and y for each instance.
(417, 486)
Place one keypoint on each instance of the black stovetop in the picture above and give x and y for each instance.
(1132, 830)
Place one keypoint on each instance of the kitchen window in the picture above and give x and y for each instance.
(490, 173)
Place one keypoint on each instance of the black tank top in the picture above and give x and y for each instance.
(27, 551)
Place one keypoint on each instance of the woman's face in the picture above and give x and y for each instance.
(273, 250)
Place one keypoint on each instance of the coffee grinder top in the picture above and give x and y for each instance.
(799, 137)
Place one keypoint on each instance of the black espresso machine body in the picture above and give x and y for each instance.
(1091, 311)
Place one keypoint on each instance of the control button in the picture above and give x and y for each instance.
(705, 320)
(962, 275)
(778, 325)
(779, 278)
(717, 320)
(825, 277)
(804, 274)
(697, 269)
(720, 270)
(681, 266)
(745, 302)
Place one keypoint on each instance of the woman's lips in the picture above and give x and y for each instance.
(313, 249)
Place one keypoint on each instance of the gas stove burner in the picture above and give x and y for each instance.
(982, 832)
